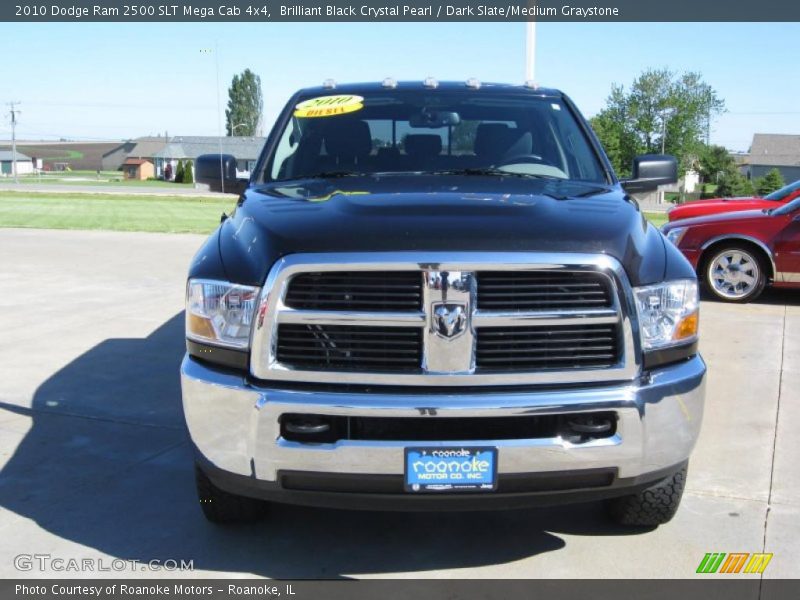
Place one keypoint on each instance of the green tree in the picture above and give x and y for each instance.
(245, 105)
(713, 161)
(613, 129)
(179, 172)
(659, 103)
(731, 184)
(771, 181)
(188, 173)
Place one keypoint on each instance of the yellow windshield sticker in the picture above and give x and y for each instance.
(329, 106)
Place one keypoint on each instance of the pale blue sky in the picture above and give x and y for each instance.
(116, 81)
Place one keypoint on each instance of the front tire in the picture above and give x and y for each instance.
(735, 273)
(652, 506)
(223, 507)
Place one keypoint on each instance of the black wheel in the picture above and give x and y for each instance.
(652, 506)
(220, 506)
(735, 273)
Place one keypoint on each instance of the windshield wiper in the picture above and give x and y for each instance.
(329, 175)
(489, 171)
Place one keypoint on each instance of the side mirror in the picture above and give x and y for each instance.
(651, 171)
(218, 172)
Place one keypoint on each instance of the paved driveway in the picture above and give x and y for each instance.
(95, 462)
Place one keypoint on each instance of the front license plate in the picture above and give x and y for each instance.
(453, 469)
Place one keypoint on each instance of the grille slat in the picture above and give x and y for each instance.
(555, 347)
(350, 347)
(369, 290)
(516, 285)
(490, 343)
(527, 305)
(545, 294)
(546, 359)
(537, 290)
(299, 341)
(533, 350)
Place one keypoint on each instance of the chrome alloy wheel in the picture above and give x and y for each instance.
(734, 273)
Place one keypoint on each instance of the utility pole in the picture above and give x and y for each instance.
(14, 112)
(219, 112)
(666, 114)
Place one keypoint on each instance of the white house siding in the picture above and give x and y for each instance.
(24, 167)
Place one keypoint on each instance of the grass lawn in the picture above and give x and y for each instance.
(91, 178)
(115, 212)
(118, 212)
(656, 218)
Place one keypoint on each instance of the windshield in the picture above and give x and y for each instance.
(401, 131)
(781, 194)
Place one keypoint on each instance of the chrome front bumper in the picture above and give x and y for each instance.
(234, 424)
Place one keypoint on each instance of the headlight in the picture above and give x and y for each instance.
(220, 313)
(675, 234)
(668, 313)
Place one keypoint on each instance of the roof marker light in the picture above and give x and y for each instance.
(473, 83)
(389, 82)
(430, 82)
(329, 84)
(531, 84)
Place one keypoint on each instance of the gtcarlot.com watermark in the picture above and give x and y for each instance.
(48, 562)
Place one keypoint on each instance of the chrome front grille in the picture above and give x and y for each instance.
(540, 290)
(355, 290)
(445, 319)
(551, 347)
(350, 347)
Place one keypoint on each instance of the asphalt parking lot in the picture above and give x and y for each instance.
(95, 462)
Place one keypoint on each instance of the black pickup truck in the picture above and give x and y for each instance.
(439, 296)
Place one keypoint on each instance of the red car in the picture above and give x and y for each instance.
(712, 206)
(737, 254)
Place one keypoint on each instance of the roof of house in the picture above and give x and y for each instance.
(192, 146)
(147, 147)
(8, 156)
(136, 161)
(777, 150)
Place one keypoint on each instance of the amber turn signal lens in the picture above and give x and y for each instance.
(200, 326)
(687, 327)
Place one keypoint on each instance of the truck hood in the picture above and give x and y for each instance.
(436, 213)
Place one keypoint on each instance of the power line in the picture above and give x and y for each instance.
(174, 106)
(762, 112)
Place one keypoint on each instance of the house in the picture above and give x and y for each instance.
(245, 149)
(138, 168)
(142, 147)
(775, 151)
(24, 163)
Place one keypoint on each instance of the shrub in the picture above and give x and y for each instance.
(188, 172)
(771, 181)
(179, 172)
(732, 184)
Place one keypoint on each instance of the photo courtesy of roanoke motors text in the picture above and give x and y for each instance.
(432, 300)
